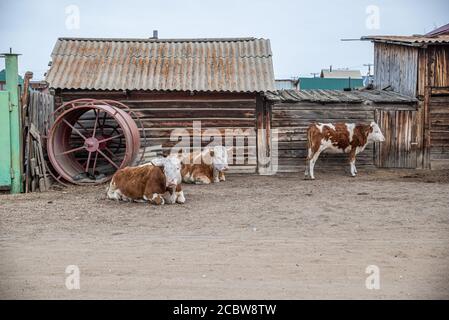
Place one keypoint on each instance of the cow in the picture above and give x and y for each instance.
(339, 138)
(205, 167)
(157, 182)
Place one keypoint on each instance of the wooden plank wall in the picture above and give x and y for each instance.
(292, 120)
(400, 147)
(396, 66)
(161, 114)
(439, 132)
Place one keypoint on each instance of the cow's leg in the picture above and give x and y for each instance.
(154, 195)
(312, 164)
(202, 179)
(221, 176)
(352, 163)
(171, 198)
(216, 175)
(309, 156)
(180, 194)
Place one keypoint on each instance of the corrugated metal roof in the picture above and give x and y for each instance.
(341, 74)
(337, 96)
(227, 64)
(439, 31)
(410, 40)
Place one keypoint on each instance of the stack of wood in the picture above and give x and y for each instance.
(37, 108)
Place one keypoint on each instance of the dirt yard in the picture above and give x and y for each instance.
(276, 237)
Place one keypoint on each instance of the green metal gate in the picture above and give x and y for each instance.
(5, 150)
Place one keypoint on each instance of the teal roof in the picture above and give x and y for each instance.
(328, 83)
(3, 77)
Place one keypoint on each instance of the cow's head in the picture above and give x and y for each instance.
(171, 166)
(219, 158)
(375, 133)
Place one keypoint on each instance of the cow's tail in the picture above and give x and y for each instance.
(309, 142)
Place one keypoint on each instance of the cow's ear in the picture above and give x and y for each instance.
(211, 152)
(165, 153)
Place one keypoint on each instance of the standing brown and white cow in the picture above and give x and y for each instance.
(157, 182)
(339, 138)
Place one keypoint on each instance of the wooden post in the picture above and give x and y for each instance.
(260, 136)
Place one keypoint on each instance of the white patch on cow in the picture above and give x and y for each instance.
(321, 126)
(327, 146)
(113, 193)
(360, 148)
(180, 197)
(350, 127)
(376, 135)
(155, 196)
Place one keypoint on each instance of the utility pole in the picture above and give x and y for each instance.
(369, 65)
(314, 74)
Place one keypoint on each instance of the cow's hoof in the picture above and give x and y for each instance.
(181, 201)
(158, 201)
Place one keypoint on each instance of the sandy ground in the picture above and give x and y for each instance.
(255, 237)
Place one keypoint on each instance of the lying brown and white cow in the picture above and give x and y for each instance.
(157, 182)
(205, 167)
(339, 138)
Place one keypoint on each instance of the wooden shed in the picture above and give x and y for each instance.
(418, 66)
(172, 83)
(292, 111)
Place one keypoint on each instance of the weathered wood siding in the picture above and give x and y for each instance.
(439, 132)
(400, 147)
(163, 113)
(292, 120)
(396, 66)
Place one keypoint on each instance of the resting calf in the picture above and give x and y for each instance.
(205, 167)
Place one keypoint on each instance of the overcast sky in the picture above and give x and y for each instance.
(305, 35)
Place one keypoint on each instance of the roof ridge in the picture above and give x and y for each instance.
(237, 39)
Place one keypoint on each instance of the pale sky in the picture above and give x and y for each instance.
(305, 35)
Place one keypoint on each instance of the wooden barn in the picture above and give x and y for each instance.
(418, 66)
(170, 83)
(292, 111)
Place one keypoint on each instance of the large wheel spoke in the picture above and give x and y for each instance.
(109, 159)
(111, 138)
(88, 162)
(95, 162)
(111, 153)
(74, 129)
(70, 151)
(104, 122)
(96, 122)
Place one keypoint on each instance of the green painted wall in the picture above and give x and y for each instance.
(328, 83)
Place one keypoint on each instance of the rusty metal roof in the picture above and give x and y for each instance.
(225, 64)
(338, 96)
(439, 31)
(418, 41)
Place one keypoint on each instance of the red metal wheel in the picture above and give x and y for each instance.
(90, 139)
